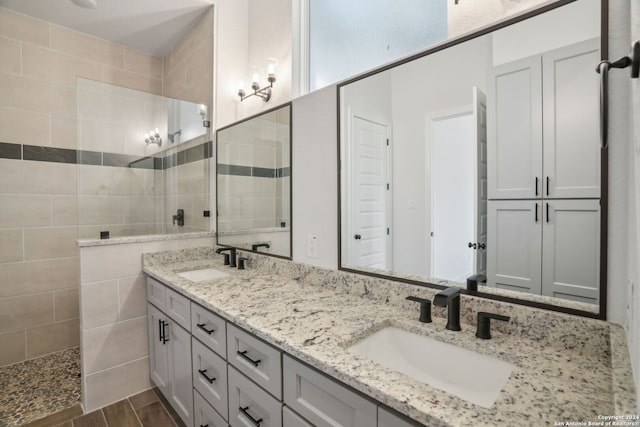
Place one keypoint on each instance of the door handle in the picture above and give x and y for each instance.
(164, 332)
(536, 214)
(472, 245)
(482, 245)
(536, 185)
(357, 237)
(547, 212)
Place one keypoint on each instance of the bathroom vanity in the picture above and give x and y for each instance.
(271, 345)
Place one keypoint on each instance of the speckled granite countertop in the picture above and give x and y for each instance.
(566, 368)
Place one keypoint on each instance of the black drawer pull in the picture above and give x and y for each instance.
(159, 330)
(206, 425)
(244, 355)
(164, 332)
(246, 414)
(201, 326)
(203, 372)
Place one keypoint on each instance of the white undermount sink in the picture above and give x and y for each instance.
(471, 376)
(203, 275)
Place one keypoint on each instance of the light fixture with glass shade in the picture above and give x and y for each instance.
(262, 92)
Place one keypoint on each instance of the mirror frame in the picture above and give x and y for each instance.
(604, 164)
(271, 110)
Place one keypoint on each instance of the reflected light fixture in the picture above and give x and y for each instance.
(87, 4)
(202, 110)
(153, 137)
(264, 92)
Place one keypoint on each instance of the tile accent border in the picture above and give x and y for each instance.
(40, 153)
(237, 170)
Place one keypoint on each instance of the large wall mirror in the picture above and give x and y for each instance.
(481, 159)
(254, 183)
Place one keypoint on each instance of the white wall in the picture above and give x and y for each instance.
(248, 32)
(315, 176)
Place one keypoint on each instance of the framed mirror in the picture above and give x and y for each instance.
(254, 183)
(478, 164)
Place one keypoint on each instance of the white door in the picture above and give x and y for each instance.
(180, 391)
(515, 130)
(369, 206)
(452, 161)
(572, 117)
(480, 194)
(571, 243)
(514, 245)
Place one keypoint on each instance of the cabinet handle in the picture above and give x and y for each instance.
(472, 245)
(201, 326)
(547, 186)
(547, 212)
(159, 330)
(246, 414)
(536, 185)
(536, 215)
(203, 372)
(206, 425)
(243, 354)
(164, 332)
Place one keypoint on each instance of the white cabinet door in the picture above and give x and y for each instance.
(249, 405)
(322, 401)
(387, 418)
(158, 348)
(514, 131)
(180, 387)
(210, 376)
(514, 245)
(571, 242)
(571, 93)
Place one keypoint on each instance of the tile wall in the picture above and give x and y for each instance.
(40, 180)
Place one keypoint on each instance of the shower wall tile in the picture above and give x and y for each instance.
(115, 344)
(24, 28)
(142, 63)
(85, 46)
(13, 347)
(20, 177)
(26, 311)
(111, 385)
(10, 54)
(35, 95)
(47, 243)
(11, 247)
(56, 67)
(131, 80)
(93, 210)
(20, 128)
(64, 210)
(54, 337)
(64, 132)
(24, 211)
(66, 304)
(38, 276)
(132, 295)
(99, 302)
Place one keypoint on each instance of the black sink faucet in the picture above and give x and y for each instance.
(450, 298)
(179, 216)
(255, 246)
(230, 258)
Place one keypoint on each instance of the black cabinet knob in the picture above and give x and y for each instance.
(472, 245)
(357, 237)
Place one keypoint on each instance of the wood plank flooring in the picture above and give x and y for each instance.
(146, 409)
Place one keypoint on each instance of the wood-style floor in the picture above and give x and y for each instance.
(146, 409)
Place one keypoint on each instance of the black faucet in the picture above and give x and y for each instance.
(255, 246)
(179, 217)
(484, 323)
(425, 308)
(230, 258)
(450, 298)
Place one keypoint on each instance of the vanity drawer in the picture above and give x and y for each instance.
(248, 403)
(291, 419)
(386, 418)
(256, 359)
(156, 293)
(210, 376)
(323, 401)
(209, 328)
(204, 414)
(178, 308)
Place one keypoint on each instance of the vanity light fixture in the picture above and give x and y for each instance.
(153, 137)
(202, 110)
(264, 92)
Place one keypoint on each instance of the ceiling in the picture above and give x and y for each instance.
(150, 26)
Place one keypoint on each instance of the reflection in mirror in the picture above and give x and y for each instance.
(481, 161)
(254, 183)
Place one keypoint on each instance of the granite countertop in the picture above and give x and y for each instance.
(553, 381)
